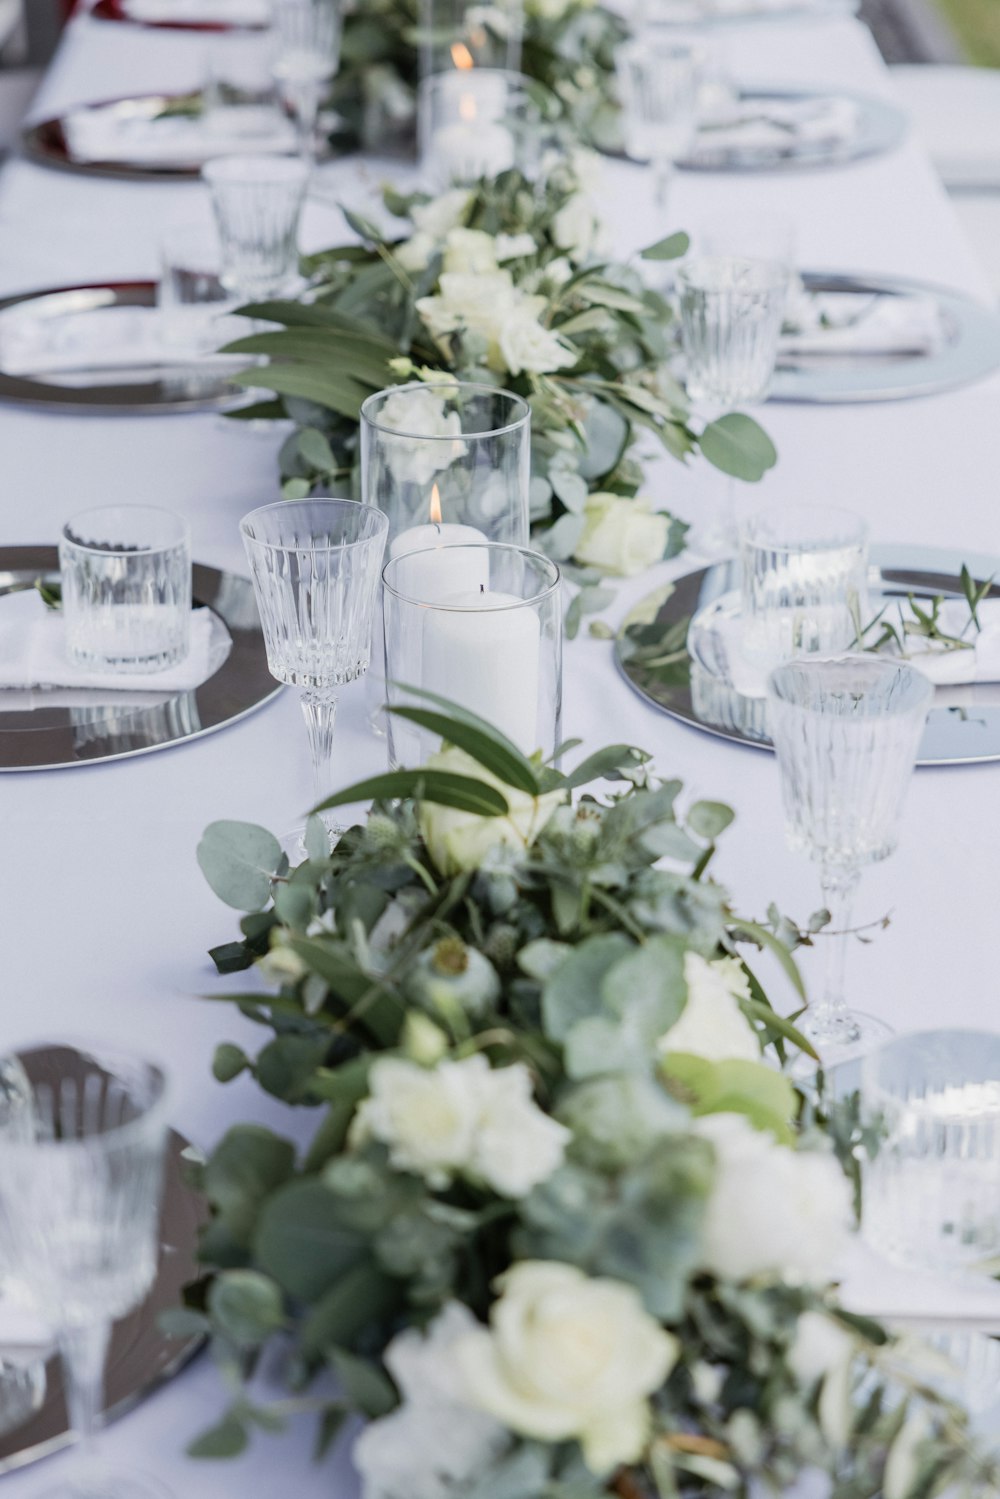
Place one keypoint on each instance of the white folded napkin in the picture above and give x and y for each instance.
(33, 654)
(950, 668)
(862, 323)
(23, 1333)
(102, 133)
(204, 12)
(116, 337)
(776, 124)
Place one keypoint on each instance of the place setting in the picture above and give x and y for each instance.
(187, 15)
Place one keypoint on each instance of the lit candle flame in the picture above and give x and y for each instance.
(461, 56)
(435, 505)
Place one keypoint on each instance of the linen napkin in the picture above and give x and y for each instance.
(203, 12)
(33, 654)
(778, 124)
(117, 338)
(102, 133)
(862, 323)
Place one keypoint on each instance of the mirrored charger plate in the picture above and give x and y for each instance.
(710, 13)
(107, 725)
(141, 1357)
(969, 350)
(119, 10)
(964, 724)
(878, 127)
(180, 381)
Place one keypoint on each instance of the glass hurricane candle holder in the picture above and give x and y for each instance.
(481, 626)
(478, 122)
(930, 1192)
(465, 34)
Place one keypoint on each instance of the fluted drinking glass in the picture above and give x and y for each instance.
(79, 1230)
(257, 201)
(658, 87)
(306, 60)
(315, 566)
(846, 730)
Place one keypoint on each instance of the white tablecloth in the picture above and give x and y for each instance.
(104, 917)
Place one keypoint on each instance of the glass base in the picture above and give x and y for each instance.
(851, 1036)
(293, 843)
(98, 1482)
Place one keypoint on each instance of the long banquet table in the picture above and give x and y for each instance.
(104, 917)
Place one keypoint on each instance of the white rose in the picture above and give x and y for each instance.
(514, 246)
(427, 1117)
(419, 414)
(620, 535)
(821, 1346)
(434, 1444)
(441, 214)
(558, 271)
(526, 345)
(516, 1145)
(772, 1211)
(414, 253)
(477, 302)
(712, 1025)
(470, 251)
(457, 841)
(569, 1357)
(575, 228)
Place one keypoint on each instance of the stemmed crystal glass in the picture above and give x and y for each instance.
(79, 1229)
(658, 85)
(306, 61)
(315, 566)
(846, 731)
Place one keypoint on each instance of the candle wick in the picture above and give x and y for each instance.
(437, 527)
(482, 588)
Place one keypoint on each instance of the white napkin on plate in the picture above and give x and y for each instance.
(951, 668)
(776, 124)
(862, 323)
(122, 337)
(204, 12)
(33, 654)
(104, 133)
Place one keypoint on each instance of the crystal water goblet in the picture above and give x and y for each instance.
(845, 730)
(658, 86)
(315, 566)
(306, 61)
(257, 201)
(79, 1230)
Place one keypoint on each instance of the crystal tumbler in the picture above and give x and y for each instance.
(731, 314)
(804, 581)
(931, 1194)
(258, 204)
(126, 588)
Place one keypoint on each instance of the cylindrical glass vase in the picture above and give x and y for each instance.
(480, 625)
(478, 123)
(459, 35)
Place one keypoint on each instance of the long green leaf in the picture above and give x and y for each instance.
(606, 762)
(511, 767)
(310, 315)
(357, 358)
(441, 787)
(765, 938)
(459, 714)
(779, 1024)
(337, 392)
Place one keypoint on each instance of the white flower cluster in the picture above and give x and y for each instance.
(461, 1119)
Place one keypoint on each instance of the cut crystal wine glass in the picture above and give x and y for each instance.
(658, 84)
(306, 61)
(315, 566)
(79, 1229)
(846, 730)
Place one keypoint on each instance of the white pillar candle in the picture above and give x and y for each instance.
(472, 141)
(486, 656)
(436, 569)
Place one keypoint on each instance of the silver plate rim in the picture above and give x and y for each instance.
(881, 128)
(892, 558)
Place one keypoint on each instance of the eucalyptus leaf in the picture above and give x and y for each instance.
(247, 1306)
(739, 447)
(573, 992)
(227, 1439)
(299, 1240)
(671, 248)
(239, 861)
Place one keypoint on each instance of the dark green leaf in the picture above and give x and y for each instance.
(300, 1240)
(246, 1306)
(671, 248)
(369, 1390)
(606, 763)
(229, 1061)
(764, 938)
(228, 1439)
(736, 444)
(326, 387)
(441, 787)
(508, 765)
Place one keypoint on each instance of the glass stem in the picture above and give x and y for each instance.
(319, 709)
(83, 1351)
(663, 178)
(830, 1018)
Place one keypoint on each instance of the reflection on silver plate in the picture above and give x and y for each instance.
(971, 349)
(113, 728)
(710, 13)
(964, 723)
(142, 390)
(879, 127)
(140, 1356)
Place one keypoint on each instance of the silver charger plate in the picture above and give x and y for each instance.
(140, 1357)
(116, 10)
(142, 390)
(964, 724)
(880, 127)
(53, 738)
(971, 350)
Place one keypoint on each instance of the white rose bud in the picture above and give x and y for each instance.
(457, 841)
(620, 535)
(772, 1212)
(517, 1146)
(441, 214)
(575, 228)
(427, 1117)
(526, 345)
(515, 246)
(414, 254)
(469, 250)
(566, 1357)
(419, 414)
(712, 1025)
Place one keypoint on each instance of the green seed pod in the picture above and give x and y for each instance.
(450, 975)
